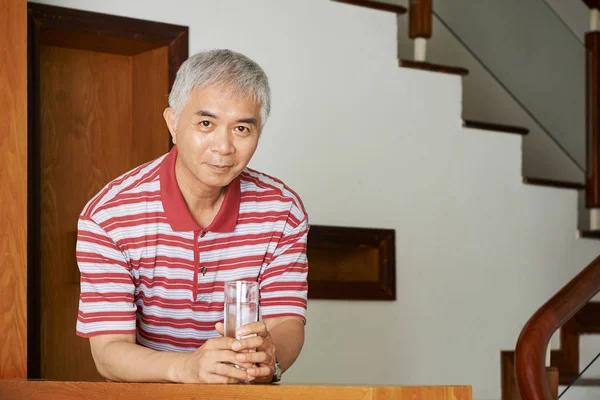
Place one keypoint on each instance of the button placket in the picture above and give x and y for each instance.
(197, 236)
(203, 269)
(196, 266)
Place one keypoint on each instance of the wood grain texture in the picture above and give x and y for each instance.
(552, 374)
(85, 126)
(592, 119)
(178, 53)
(13, 192)
(351, 263)
(376, 5)
(422, 393)
(426, 66)
(101, 32)
(340, 263)
(508, 381)
(530, 353)
(151, 53)
(565, 359)
(420, 18)
(150, 92)
(148, 391)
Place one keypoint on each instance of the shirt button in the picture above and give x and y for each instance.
(202, 234)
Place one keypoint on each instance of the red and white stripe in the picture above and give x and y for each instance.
(137, 273)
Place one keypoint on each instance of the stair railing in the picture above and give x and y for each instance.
(530, 354)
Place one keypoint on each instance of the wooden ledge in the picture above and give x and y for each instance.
(489, 126)
(553, 183)
(446, 69)
(22, 389)
(375, 5)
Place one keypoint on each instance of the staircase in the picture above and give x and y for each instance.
(564, 365)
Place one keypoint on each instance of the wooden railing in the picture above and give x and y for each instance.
(530, 367)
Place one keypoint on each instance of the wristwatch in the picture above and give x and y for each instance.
(277, 375)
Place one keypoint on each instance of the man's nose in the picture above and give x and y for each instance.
(223, 141)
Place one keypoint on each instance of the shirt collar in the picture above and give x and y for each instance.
(179, 216)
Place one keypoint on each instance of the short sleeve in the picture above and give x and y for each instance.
(106, 304)
(283, 283)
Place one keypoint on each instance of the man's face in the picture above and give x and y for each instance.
(216, 135)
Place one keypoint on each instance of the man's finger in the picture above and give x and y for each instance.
(222, 343)
(228, 356)
(254, 342)
(257, 328)
(219, 379)
(220, 327)
(230, 371)
(259, 357)
(260, 372)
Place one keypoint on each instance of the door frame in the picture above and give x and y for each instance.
(65, 27)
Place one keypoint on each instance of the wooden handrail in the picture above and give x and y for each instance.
(592, 118)
(531, 348)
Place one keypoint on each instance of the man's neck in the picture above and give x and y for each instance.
(202, 201)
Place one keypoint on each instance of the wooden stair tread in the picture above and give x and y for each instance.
(447, 69)
(490, 126)
(592, 3)
(568, 380)
(589, 234)
(553, 183)
(588, 382)
(375, 5)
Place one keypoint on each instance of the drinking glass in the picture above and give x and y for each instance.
(241, 306)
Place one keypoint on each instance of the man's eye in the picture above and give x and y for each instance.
(205, 123)
(242, 129)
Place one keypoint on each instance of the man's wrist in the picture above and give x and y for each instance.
(175, 366)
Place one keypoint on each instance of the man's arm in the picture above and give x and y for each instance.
(283, 295)
(287, 334)
(118, 358)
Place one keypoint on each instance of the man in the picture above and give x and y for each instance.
(156, 245)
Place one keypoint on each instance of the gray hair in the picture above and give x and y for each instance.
(224, 67)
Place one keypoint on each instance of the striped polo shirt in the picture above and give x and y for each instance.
(148, 268)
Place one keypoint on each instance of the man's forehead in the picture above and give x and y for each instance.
(224, 91)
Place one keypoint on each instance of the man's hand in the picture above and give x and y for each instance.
(263, 357)
(207, 364)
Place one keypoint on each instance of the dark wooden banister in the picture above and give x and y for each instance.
(531, 348)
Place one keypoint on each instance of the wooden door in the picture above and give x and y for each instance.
(100, 108)
(13, 189)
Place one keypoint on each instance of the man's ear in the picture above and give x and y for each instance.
(169, 116)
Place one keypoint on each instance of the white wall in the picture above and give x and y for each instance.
(485, 99)
(366, 143)
(575, 14)
(534, 55)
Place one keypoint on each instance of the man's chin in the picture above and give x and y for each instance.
(220, 180)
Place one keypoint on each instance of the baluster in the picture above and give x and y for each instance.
(592, 73)
(419, 27)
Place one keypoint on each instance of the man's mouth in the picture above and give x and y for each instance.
(220, 168)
